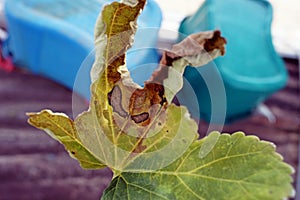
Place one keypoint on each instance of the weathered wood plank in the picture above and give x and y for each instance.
(33, 167)
(74, 188)
(26, 141)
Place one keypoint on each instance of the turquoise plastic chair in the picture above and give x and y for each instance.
(251, 70)
(53, 37)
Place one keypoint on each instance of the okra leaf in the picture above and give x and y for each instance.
(113, 36)
(237, 167)
(61, 128)
(148, 142)
(128, 127)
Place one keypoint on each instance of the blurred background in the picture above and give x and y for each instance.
(285, 31)
(35, 167)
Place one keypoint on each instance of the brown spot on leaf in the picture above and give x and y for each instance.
(216, 42)
(112, 70)
(140, 147)
(190, 46)
(141, 101)
(115, 100)
(140, 118)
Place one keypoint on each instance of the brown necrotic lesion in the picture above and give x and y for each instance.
(140, 102)
(141, 105)
(115, 100)
(140, 118)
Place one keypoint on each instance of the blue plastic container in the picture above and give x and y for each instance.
(251, 70)
(53, 37)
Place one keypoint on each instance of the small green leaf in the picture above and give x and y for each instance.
(237, 167)
(62, 129)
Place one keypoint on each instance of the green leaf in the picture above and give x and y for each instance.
(237, 167)
(62, 129)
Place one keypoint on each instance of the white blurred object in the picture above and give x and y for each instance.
(263, 110)
(285, 28)
(2, 16)
(3, 35)
(173, 13)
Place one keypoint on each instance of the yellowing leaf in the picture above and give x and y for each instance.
(128, 127)
(151, 144)
(61, 128)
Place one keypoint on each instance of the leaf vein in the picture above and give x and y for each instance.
(189, 189)
(224, 158)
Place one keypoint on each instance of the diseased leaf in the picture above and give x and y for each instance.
(128, 127)
(238, 167)
(196, 50)
(87, 134)
(151, 144)
(172, 131)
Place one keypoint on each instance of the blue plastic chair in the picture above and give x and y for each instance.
(251, 70)
(53, 37)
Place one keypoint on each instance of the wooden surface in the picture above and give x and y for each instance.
(35, 167)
